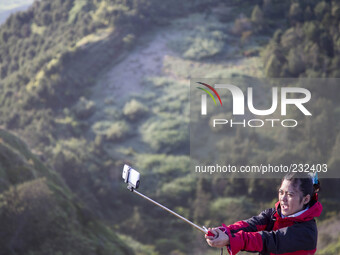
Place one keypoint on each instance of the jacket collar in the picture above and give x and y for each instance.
(314, 211)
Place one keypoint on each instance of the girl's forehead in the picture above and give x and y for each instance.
(288, 186)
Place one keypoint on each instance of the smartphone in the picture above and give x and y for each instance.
(131, 176)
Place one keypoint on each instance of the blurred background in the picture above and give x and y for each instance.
(88, 85)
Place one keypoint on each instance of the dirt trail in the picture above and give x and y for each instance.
(145, 60)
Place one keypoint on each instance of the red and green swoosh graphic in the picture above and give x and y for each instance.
(209, 93)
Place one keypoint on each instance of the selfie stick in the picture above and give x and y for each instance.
(204, 230)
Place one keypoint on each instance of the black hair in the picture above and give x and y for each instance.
(304, 183)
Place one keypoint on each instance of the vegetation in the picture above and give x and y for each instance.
(200, 43)
(40, 214)
(62, 193)
(134, 110)
(308, 47)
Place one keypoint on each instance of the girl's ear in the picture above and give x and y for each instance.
(306, 199)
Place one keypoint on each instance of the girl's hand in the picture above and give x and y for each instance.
(220, 239)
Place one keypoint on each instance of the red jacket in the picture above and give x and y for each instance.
(269, 233)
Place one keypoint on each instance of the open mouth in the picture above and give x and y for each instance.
(284, 207)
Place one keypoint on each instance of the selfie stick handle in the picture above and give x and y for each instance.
(172, 212)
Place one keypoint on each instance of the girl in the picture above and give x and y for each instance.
(289, 228)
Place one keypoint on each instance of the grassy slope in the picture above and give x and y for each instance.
(39, 214)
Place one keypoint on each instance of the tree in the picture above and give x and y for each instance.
(308, 14)
(201, 204)
(321, 9)
(295, 13)
(273, 66)
(3, 71)
(311, 30)
(257, 19)
(336, 10)
(326, 44)
(296, 64)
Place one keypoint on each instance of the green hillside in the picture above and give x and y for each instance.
(92, 84)
(40, 215)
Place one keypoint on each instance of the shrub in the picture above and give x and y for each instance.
(201, 43)
(101, 127)
(166, 135)
(117, 131)
(69, 153)
(84, 108)
(112, 131)
(203, 48)
(129, 40)
(165, 167)
(241, 25)
(134, 110)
